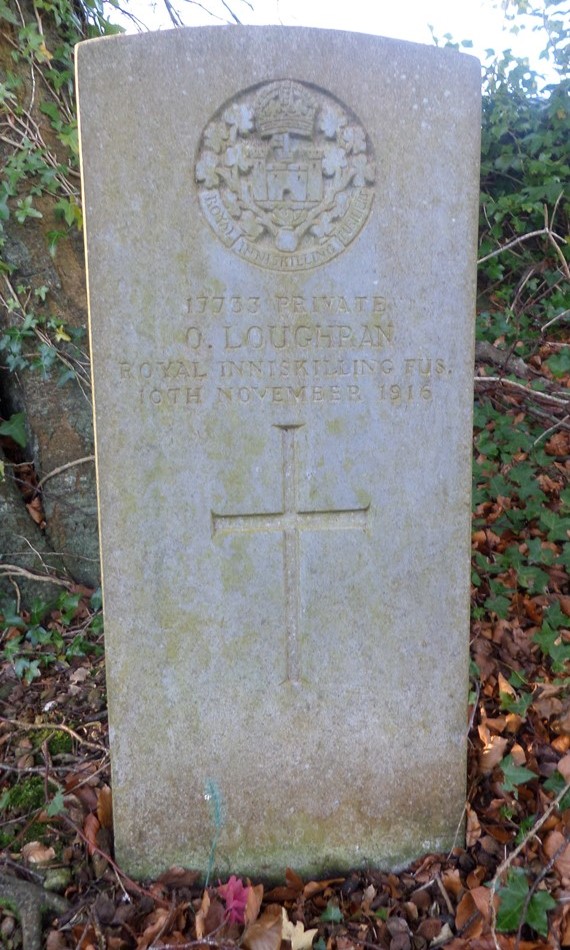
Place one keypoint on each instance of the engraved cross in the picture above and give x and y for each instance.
(290, 521)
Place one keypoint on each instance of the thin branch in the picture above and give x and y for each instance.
(445, 895)
(54, 727)
(563, 261)
(64, 468)
(36, 770)
(14, 570)
(535, 393)
(173, 14)
(555, 319)
(201, 6)
(231, 12)
(488, 353)
(561, 424)
(514, 242)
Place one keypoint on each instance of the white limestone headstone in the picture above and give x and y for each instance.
(281, 229)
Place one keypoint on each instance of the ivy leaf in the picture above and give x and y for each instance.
(513, 904)
(56, 806)
(555, 784)
(332, 914)
(6, 14)
(514, 775)
(15, 428)
(512, 900)
(4, 209)
(559, 364)
(552, 645)
(11, 618)
(540, 903)
(499, 605)
(516, 704)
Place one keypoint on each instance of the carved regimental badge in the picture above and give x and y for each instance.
(285, 174)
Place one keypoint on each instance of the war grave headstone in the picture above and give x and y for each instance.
(281, 231)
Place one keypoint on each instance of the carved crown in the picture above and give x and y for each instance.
(285, 107)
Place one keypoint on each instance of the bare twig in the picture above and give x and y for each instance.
(445, 895)
(520, 240)
(558, 425)
(201, 6)
(55, 727)
(488, 353)
(63, 468)
(34, 770)
(481, 381)
(231, 12)
(13, 570)
(555, 319)
(563, 261)
(173, 14)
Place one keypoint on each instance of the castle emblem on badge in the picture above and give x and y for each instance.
(285, 175)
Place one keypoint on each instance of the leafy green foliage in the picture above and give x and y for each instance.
(41, 163)
(556, 783)
(551, 641)
(35, 339)
(52, 633)
(27, 796)
(505, 479)
(15, 428)
(516, 704)
(514, 775)
(332, 914)
(516, 907)
(525, 167)
(56, 806)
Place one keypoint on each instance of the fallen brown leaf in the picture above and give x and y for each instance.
(430, 928)
(474, 911)
(35, 511)
(105, 807)
(36, 853)
(293, 880)
(473, 832)
(179, 877)
(317, 887)
(265, 932)
(157, 924)
(492, 753)
(451, 878)
(556, 842)
(564, 767)
(558, 444)
(468, 916)
(90, 828)
(253, 905)
(201, 915)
